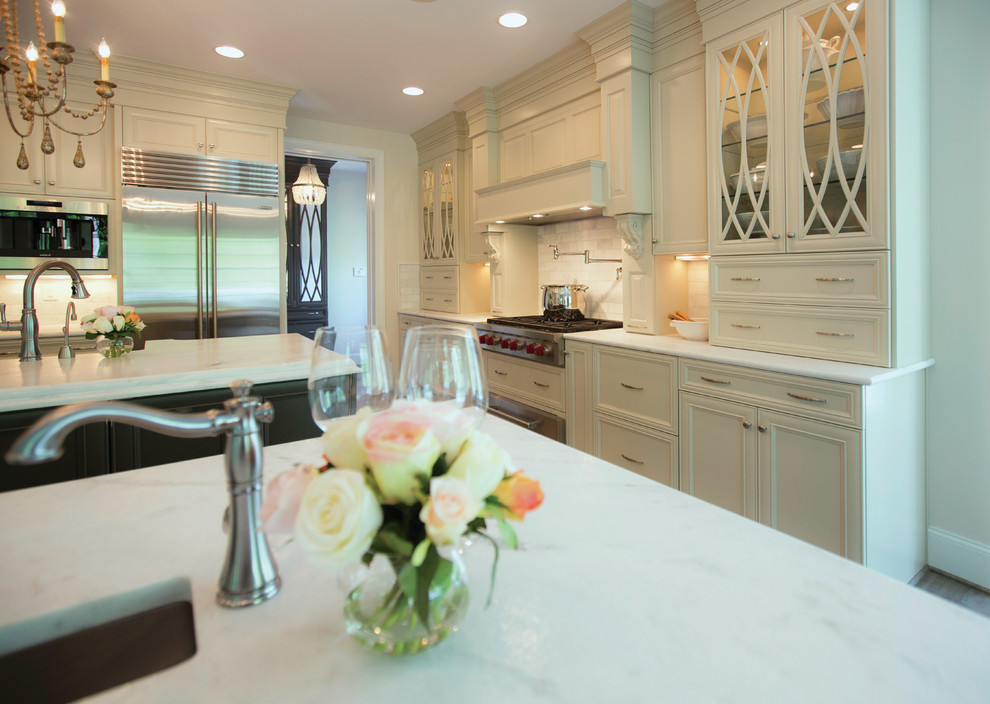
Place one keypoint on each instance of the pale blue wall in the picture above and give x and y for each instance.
(347, 244)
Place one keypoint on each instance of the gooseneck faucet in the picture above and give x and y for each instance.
(28, 325)
(249, 575)
(65, 352)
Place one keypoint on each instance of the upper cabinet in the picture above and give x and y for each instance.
(438, 233)
(155, 130)
(55, 174)
(796, 132)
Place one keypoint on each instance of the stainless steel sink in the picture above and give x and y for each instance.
(82, 650)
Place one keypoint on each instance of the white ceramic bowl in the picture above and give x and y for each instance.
(850, 102)
(756, 126)
(691, 330)
(848, 161)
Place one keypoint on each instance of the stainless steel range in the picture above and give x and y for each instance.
(534, 337)
(524, 360)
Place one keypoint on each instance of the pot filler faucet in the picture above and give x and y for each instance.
(249, 574)
(28, 325)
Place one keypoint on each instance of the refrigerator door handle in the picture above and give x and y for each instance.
(199, 270)
(213, 268)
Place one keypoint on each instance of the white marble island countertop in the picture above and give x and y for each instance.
(623, 591)
(164, 366)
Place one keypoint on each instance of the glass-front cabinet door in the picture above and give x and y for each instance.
(832, 142)
(746, 140)
(427, 190)
(439, 233)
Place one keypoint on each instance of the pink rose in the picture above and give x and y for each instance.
(401, 448)
(451, 507)
(282, 497)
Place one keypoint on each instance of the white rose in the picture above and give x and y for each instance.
(118, 322)
(140, 326)
(103, 325)
(451, 507)
(338, 517)
(340, 443)
(482, 464)
(402, 449)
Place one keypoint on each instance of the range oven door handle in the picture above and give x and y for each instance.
(528, 424)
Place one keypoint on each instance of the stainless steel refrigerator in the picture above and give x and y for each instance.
(199, 262)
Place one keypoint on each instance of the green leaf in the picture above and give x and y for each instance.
(440, 467)
(476, 525)
(491, 586)
(419, 554)
(389, 540)
(445, 570)
(508, 534)
(407, 580)
(424, 576)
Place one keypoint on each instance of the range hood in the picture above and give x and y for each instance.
(571, 192)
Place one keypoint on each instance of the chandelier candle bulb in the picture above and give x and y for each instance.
(31, 54)
(104, 52)
(58, 9)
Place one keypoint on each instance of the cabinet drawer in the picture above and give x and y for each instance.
(820, 279)
(438, 277)
(540, 384)
(637, 385)
(445, 301)
(650, 453)
(812, 398)
(843, 334)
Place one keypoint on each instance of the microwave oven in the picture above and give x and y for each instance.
(35, 230)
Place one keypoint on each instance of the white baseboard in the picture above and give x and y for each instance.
(959, 556)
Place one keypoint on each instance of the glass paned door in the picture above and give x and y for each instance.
(428, 189)
(446, 210)
(832, 156)
(748, 130)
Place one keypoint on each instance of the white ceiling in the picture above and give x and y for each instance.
(350, 59)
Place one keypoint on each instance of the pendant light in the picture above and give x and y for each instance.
(308, 190)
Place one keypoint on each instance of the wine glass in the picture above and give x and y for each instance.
(441, 371)
(350, 369)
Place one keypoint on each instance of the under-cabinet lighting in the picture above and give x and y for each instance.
(692, 257)
(231, 52)
(500, 222)
(585, 207)
(412, 90)
(539, 215)
(856, 146)
(513, 20)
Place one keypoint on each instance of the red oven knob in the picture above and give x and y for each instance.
(481, 339)
(530, 347)
(514, 345)
(540, 350)
(489, 339)
(505, 344)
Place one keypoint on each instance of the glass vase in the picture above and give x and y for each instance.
(117, 347)
(383, 618)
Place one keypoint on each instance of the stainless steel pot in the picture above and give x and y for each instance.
(565, 299)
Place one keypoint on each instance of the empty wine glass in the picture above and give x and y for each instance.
(442, 372)
(350, 369)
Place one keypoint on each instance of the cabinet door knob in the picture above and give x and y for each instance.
(37, 182)
(199, 145)
(747, 425)
(762, 428)
(211, 146)
(776, 237)
(791, 235)
(51, 183)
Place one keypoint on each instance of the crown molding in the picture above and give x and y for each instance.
(439, 134)
(621, 39)
(479, 110)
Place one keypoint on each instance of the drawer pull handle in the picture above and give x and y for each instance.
(715, 381)
(834, 278)
(745, 278)
(500, 372)
(746, 327)
(747, 425)
(630, 459)
(542, 386)
(627, 386)
(807, 398)
(448, 277)
(834, 334)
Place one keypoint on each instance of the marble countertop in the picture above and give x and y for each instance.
(623, 590)
(164, 366)
(676, 345)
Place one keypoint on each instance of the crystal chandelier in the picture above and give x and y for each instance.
(308, 189)
(43, 96)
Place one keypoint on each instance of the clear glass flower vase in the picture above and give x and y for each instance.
(117, 347)
(384, 618)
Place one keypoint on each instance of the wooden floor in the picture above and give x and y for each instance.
(950, 588)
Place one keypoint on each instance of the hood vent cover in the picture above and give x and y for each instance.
(558, 195)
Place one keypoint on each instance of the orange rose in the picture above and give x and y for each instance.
(133, 317)
(519, 494)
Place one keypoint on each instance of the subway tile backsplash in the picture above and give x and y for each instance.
(601, 237)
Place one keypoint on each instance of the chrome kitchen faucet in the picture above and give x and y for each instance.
(249, 574)
(28, 325)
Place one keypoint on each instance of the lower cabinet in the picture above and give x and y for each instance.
(648, 452)
(103, 447)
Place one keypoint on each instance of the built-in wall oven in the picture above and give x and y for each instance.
(34, 230)
(524, 361)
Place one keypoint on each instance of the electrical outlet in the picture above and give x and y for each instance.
(360, 271)
(49, 292)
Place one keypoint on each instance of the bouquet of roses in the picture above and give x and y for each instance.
(404, 482)
(112, 322)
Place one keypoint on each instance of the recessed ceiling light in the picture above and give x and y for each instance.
(231, 52)
(412, 90)
(513, 20)
(539, 215)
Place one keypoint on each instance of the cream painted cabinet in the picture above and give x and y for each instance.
(55, 174)
(189, 134)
